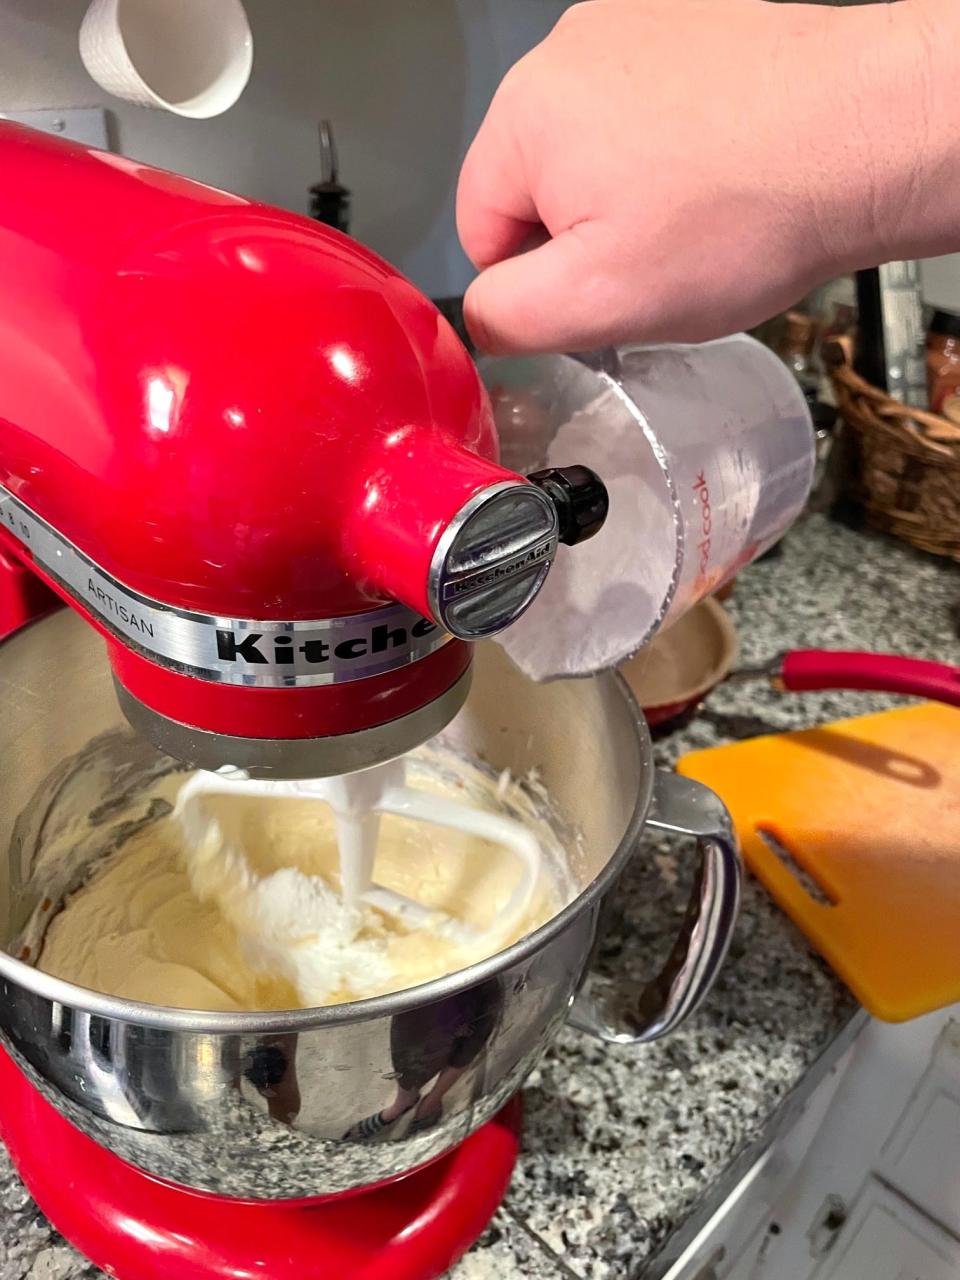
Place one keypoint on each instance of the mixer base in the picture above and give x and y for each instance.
(136, 1228)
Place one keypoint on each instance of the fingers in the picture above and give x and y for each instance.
(534, 292)
(544, 300)
(496, 211)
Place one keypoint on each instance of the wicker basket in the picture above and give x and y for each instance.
(907, 468)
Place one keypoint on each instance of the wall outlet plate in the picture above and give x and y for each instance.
(80, 124)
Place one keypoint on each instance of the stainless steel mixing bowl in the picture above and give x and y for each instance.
(258, 1105)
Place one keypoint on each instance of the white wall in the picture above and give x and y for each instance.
(405, 83)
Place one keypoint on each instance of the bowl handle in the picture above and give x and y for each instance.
(625, 1015)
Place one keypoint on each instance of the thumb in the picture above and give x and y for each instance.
(551, 298)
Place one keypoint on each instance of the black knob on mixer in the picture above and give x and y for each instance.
(580, 498)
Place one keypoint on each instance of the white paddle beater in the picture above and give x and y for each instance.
(358, 800)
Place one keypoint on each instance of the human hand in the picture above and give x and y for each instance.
(685, 168)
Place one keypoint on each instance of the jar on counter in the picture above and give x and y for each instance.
(943, 364)
(796, 349)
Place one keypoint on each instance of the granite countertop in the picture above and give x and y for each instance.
(622, 1147)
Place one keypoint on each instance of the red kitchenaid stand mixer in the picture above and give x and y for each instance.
(258, 461)
(262, 466)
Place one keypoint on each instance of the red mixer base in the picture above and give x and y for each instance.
(136, 1228)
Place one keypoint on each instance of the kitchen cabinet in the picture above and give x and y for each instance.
(887, 1239)
(873, 1193)
(921, 1158)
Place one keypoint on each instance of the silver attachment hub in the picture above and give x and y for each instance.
(492, 559)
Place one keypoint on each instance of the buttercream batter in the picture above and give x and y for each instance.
(159, 923)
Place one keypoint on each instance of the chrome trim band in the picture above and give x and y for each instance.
(243, 651)
(295, 757)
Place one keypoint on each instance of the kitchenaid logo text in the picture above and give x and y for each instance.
(543, 552)
(255, 649)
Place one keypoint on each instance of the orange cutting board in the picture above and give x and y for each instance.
(869, 809)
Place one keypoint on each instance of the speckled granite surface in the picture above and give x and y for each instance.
(622, 1146)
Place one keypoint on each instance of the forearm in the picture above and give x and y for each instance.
(891, 151)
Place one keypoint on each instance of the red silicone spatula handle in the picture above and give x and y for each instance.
(817, 669)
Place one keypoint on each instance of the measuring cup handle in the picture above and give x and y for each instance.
(621, 1014)
(817, 669)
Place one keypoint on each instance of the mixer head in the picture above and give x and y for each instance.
(258, 461)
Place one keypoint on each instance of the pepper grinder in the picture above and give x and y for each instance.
(329, 201)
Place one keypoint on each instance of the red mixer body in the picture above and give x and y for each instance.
(214, 399)
(238, 416)
(136, 1227)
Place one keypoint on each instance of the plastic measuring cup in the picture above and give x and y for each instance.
(708, 456)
